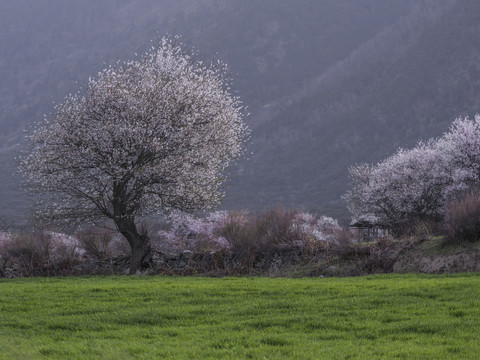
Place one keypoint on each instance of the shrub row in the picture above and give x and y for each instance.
(243, 236)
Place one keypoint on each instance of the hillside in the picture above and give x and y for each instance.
(407, 83)
(51, 47)
(328, 83)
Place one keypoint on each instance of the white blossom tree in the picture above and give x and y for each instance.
(408, 186)
(145, 136)
(416, 184)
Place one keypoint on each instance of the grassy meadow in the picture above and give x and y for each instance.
(375, 317)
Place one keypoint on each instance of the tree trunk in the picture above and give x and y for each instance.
(139, 244)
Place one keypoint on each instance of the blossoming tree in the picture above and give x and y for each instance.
(417, 184)
(409, 186)
(145, 136)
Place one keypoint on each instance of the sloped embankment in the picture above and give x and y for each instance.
(433, 256)
(429, 255)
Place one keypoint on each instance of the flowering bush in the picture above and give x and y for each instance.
(241, 232)
(4, 237)
(101, 243)
(40, 253)
(188, 232)
(62, 245)
(323, 228)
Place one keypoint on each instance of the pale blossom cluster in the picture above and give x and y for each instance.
(5, 237)
(50, 247)
(461, 145)
(416, 184)
(64, 243)
(322, 228)
(189, 232)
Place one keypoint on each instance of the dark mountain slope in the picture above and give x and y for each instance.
(273, 48)
(364, 114)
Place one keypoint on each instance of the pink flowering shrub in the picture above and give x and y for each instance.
(291, 232)
(242, 232)
(40, 253)
(101, 243)
(321, 228)
(52, 246)
(250, 234)
(63, 245)
(5, 237)
(189, 232)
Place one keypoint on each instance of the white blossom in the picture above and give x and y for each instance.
(188, 232)
(323, 228)
(461, 146)
(407, 186)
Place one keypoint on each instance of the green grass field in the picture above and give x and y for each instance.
(375, 317)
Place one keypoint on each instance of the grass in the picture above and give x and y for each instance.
(375, 317)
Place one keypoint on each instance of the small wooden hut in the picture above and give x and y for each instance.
(364, 230)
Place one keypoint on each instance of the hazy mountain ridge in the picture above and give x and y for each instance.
(329, 133)
(57, 44)
(366, 116)
(328, 83)
(381, 50)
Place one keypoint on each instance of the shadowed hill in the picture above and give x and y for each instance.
(405, 84)
(328, 83)
(49, 47)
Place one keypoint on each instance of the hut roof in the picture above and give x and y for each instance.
(368, 221)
